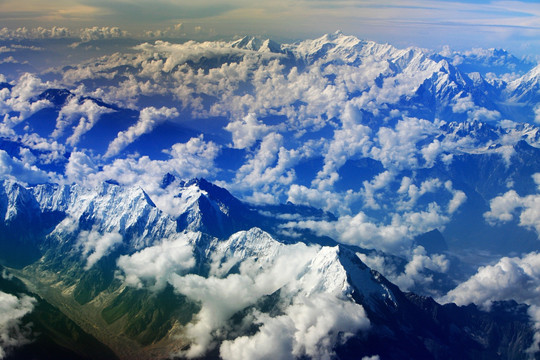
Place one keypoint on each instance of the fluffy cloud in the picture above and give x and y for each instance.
(537, 114)
(269, 168)
(431, 152)
(48, 151)
(379, 193)
(412, 193)
(351, 140)
(22, 33)
(458, 198)
(79, 167)
(149, 118)
(9, 60)
(127, 92)
(511, 278)
(504, 207)
(12, 310)
(273, 340)
(414, 273)
(100, 33)
(190, 159)
(177, 54)
(534, 313)
(394, 237)
(193, 158)
(396, 148)
(95, 245)
(246, 131)
(463, 104)
(328, 200)
(21, 99)
(171, 31)
(380, 181)
(223, 296)
(310, 327)
(466, 104)
(358, 230)
(12, 168)
(154, 265)
(88, 114)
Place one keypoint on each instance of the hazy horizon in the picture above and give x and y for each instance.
(462, 25)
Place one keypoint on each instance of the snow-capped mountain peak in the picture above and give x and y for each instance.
(526, 88)
(341, 48)
(16, 200)
(256, 44)
(330, 270)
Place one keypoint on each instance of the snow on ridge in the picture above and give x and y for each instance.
(333, 270)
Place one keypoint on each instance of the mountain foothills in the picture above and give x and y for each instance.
(386, 201)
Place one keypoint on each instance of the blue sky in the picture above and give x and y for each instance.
(513, 25)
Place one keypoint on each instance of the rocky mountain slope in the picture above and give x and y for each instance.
(115, 264)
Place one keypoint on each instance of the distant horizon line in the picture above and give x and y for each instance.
(104, 33)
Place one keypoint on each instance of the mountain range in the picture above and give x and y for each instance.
(330, 198)
(118, 265)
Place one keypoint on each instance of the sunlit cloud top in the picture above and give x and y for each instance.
(514, 25)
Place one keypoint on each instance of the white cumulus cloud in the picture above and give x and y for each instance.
(149, 118)
(393, 237)
(310, 327)
(503, 208)
(79, 167)
(100, 33)
(88, 114)
(246, 131)
(95, 245)
(21, 99)
(15, 169)
(511, 278)
(12, 310)
(154, 265)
